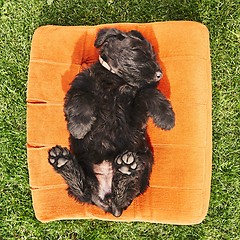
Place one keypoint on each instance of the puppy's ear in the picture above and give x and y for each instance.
(136, 34)
(105, 33)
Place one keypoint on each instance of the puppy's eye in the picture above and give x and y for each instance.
(120, 37)
(158, 75)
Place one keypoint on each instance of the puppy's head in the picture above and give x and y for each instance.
(129, 55)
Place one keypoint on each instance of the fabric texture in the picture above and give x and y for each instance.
(179, 189)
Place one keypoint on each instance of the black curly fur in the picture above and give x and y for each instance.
(106, 115)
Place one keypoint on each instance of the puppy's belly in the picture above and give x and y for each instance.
(104, 174)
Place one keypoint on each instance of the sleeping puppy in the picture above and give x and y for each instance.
(107, 107)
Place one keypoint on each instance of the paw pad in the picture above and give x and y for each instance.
(126, 163)
(58, 156)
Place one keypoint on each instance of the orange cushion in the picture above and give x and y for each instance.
(180, 183)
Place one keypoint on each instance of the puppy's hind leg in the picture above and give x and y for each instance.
(63, 163)
(131, 178)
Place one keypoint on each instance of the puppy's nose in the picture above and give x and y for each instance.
(158, 75)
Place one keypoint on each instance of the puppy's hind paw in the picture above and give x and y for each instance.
(126, 162)
(58, 156)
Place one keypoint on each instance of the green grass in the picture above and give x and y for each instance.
(19, 19)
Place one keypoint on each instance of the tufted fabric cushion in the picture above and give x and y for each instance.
(180, 183)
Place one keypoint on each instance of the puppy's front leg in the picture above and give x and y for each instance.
(160, 109)
(79, 110)
(157, 107)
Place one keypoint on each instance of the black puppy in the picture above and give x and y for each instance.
(107, 107)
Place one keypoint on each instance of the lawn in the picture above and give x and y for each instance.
(19, 19)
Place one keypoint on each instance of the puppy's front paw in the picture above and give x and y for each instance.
(166, 120)
(58, 157)
(126, 163)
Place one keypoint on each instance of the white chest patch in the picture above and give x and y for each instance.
(104, 174)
